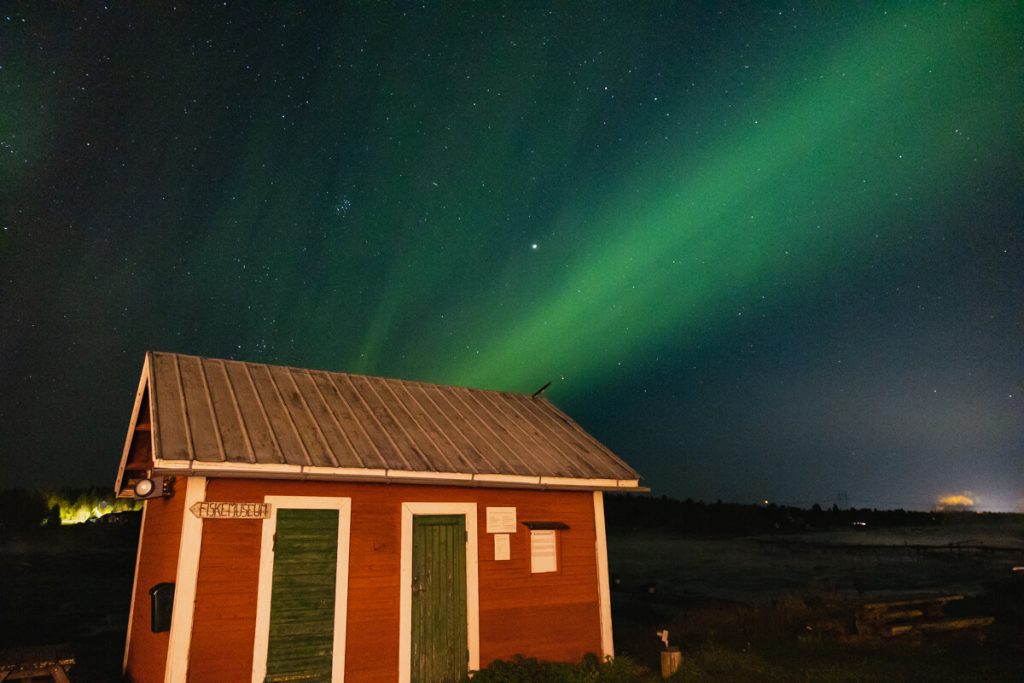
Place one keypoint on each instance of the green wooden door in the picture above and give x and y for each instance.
(439, 645)
(301, 642)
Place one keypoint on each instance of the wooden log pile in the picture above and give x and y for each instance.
(30, 663)
(913, 618)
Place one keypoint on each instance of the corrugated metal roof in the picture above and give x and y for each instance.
(214, 415)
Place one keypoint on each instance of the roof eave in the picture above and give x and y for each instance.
(145, 380)
(242, 470)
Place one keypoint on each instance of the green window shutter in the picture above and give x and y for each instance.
(301, 640)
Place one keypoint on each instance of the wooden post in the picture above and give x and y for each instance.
(671, 659)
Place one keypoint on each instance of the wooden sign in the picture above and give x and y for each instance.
(212, 510)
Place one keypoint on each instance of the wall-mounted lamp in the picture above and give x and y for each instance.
(153, 487)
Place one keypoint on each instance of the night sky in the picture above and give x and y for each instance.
(764, 252)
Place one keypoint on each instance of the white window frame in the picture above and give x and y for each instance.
(262, 641)
(410, 510)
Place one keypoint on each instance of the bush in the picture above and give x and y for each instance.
(590, 670)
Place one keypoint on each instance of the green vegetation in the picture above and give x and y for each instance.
(81, 505)
(23, 510)
(590, 670)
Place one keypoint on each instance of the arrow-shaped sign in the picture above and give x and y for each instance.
(213, 510)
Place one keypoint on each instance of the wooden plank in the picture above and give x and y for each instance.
(490, 460)
(917, 601)
(604, 457)
(549, 456)
(459, 450)
(459, 399)
(260, 434)
(573, 443)
(497, 425)
(902, 615)
(292, 450)
(362, 447)
(205, 437)
(306, 426)
(252, 417)
(527, 443)
(302, 596)
(404, 443)
(235, 441)
(552, 457)
(438, 447)
(938, 626)
(382, 444)
(412, 440)
(574, 454)
(173, 439)
(341, 446)
(439, 643)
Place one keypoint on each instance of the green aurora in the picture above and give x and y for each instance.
(870, 134)
(779, 241)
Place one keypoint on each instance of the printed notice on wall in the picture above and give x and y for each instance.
(502, 547)
(543, 552)
(501, 520)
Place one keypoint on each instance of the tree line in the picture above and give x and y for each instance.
(23, 509)
(630, 511)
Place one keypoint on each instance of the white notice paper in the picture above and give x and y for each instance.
(502, 547)
(501, 520)
(543, 551)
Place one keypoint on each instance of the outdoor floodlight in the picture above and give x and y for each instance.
(152, 487)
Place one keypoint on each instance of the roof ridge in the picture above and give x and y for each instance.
(340, 372)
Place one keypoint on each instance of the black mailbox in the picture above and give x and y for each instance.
(161, 599)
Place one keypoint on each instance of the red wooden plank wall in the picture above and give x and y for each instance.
(553, 616)
(158, 562)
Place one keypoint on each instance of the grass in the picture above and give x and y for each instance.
(781, 661)
(771, 642)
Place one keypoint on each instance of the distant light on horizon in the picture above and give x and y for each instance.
(956, 501)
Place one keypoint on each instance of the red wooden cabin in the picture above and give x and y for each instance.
(308, 525)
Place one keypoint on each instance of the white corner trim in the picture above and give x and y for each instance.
(409, 510)
(604, 589)
(135, 590)
(182, 611)
(266, 579)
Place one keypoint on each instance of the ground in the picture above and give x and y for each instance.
(740, 607)
(776, 606)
